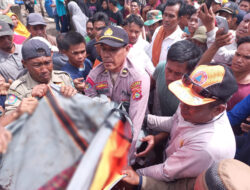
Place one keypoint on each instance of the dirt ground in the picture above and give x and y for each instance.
(51, 27)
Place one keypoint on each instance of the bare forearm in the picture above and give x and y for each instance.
(208, 55)
(8, 118)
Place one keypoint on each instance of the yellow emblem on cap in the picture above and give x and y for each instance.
(108, 32)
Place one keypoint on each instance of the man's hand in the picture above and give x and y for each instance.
(4, 86)
(132, 177)
(207, 17)
(28, 105)
(222, 39)
(79, 84)
(39, 90)
(150, 139)
(68, 91)
(244, 126)
(5, 138)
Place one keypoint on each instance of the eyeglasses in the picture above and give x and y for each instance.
(187, 81)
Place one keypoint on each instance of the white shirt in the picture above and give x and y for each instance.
(192, 147)
(224, 54)
(139, 58)
(166, 44)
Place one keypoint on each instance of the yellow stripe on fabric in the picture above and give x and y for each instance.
(112, 37)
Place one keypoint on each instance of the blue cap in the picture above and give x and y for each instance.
(34, 48)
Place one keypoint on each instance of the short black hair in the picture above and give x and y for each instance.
(60, 41)
(90, 20)
(173, 3)
(244, 0)
(136, 1)
(135, 19)
(113, 2)
(185, 51)
(243, 40)
(101, 16)
(72, 38)
(187, 10)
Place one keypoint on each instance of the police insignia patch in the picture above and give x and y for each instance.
(136, 90)
(12, 99)
(89, 83)
(101, 85)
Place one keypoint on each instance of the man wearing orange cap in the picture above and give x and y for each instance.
(200, 132)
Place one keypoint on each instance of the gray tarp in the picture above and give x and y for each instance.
(41, 148)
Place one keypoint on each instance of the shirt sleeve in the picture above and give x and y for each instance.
(160, 123)
(188, 161)
(223, 55)
(239, 112)
(138, 102)
(13, 100)
(89, 88)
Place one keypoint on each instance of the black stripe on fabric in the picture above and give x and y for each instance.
(66, 121)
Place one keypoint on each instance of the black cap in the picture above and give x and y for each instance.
(34, 48)
(114, 36)
(5, 29)
(231, 8)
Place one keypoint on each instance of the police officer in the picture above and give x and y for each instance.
(37, 58)
(119, 79)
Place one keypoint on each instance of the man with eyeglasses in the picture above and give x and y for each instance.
(78, 66)
(120, 79)
(100, 21)
(37, 59)
(200, 132)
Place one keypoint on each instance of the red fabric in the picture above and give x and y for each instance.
(243, 91)
(60, 181)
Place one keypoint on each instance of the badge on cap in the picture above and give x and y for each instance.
(11, 99)
(108, 32)
(200, 77)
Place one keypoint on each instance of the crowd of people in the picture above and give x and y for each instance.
(183, 79)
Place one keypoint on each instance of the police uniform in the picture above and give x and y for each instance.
(22, 88)
(131, 86)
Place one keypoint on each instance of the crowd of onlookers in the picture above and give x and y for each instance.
(180, 68)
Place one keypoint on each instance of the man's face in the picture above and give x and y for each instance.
(90, 30)
(152, 27)
(170, 17)
(113, 58)
(134, 8)
(193, 23)
(196, 114)
(76, 54)
(183, 21)
(174, 71)
(6, 43)
(241, 59)
(133, 31)
(215, 6)
(37, 30)
(245, 6)
(230, 20)
(98, 27)
(243, 29)
(40, 68)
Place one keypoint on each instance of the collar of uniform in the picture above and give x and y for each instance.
(176, 34)
(31, 82)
